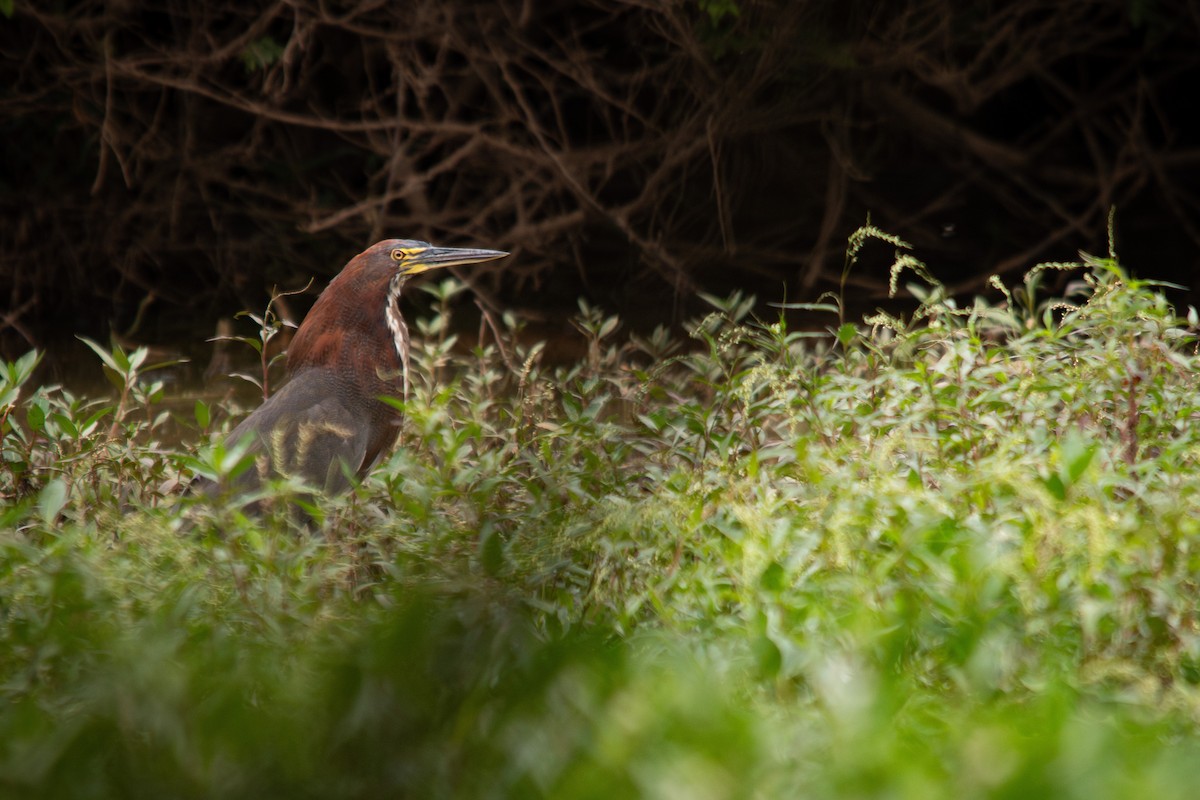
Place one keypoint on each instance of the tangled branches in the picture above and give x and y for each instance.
(184, 155)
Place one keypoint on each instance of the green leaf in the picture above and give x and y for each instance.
(247, 378)
(608, 326)
(52, 499)
(261, 53)
(830, 307)
(202, 414)
(65, 424)
(1077, 453)
(773, 578)
(90, 423)
(1055, 484)
(35, 417)
(137, 357)
(491, 552)
(16, 373)
(767, 655)
(104, 355)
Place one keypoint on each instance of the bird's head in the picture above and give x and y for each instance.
(407, 257)
(356, 322)
(374, 277)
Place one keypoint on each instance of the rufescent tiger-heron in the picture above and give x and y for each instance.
(328, 421)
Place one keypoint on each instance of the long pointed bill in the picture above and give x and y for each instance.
(437, 257)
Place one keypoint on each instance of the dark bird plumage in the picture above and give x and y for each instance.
(328, 421)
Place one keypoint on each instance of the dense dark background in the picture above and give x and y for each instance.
(166, 163)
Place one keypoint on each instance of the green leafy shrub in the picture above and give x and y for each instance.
(948, 555)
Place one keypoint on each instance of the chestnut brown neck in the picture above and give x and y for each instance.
(355, 330)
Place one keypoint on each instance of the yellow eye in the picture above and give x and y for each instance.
(399, 255)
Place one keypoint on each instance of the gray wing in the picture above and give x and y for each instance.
(304, 430)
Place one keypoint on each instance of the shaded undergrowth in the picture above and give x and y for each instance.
(951, 555)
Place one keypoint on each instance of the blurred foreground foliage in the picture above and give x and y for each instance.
(945, 556)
